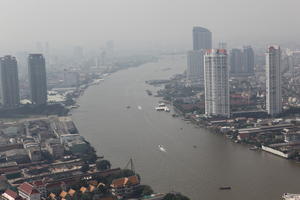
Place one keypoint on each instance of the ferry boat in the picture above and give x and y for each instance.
(288, 196)
(162, 107)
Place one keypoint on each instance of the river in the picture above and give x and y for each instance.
(119, 134)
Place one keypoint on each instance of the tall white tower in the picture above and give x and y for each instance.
(273, 82)
(216, 83)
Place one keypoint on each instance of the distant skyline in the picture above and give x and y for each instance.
(153, 24)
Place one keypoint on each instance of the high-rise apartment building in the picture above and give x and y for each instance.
(195, 68)
(9, 82)
(37, 79)
(202, 38)
(216, 83)
(248, 60)
(242, 61)
(236, 65)
(273, 80)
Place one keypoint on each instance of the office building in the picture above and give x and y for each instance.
(195, 68)
(9, 83)
(216, 83)
(37, 79)
(273, 80)
(202, 38)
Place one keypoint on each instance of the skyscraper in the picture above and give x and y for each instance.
(9, 83)
(236, 66)
(37, 79)
(273, 82)
(248, 60)
(195, 68)
(202, 38)
(216, 83)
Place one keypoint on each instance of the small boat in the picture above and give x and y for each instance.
(289, 196)
(161, 148)
(195, 146)
(253, 148)
(128, 107)
(225, 188)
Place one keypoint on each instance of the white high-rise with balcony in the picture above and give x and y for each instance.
(216, 83)
(273, 82)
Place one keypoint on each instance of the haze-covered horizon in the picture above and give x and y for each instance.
(146, 24)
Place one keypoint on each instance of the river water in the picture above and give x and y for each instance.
(119, 134)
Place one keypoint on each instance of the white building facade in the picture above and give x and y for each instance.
(273, 80)
(216, 83)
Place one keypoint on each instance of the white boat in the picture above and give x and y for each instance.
(161, 148)
(161, 105)
(288, 196)
(160, 108)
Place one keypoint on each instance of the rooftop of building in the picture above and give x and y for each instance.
(10, 193)
(27, 188)
(121, 182)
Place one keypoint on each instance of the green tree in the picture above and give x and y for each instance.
(177, 196)
(103, 165)
(143, 190)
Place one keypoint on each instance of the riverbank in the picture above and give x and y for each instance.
(279, 136)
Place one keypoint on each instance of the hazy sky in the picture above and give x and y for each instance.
(146, 23)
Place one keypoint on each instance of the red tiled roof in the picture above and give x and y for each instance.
(11, 193)
(27, 188)
(124, 181)
(38, 183)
